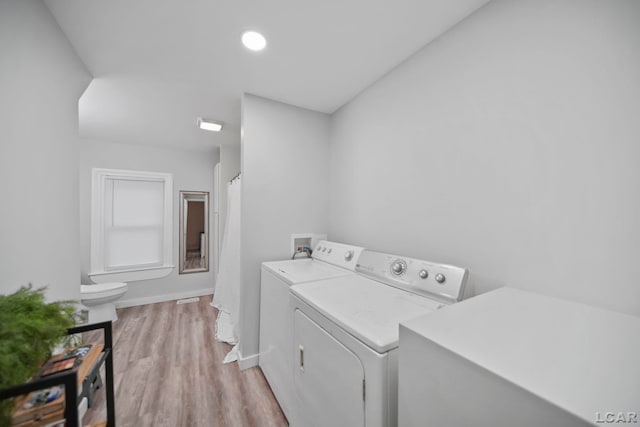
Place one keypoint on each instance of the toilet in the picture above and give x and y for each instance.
(100, 300)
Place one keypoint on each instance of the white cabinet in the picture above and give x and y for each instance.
(514, 358)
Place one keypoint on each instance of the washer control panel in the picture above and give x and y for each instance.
(441, 281)
(338, 254)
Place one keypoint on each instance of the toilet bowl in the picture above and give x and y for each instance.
(99, 300)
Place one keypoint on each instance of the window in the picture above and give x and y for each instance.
(131, 225)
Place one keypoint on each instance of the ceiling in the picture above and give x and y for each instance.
(158, 65)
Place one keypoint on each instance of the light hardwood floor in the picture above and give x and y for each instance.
(193, 260)
(168, 372)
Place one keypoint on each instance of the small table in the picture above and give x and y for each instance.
(80, 377)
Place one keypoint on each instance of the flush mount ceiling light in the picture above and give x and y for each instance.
(253, 40)
(205, 124)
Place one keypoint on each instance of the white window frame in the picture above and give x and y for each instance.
(101, 274)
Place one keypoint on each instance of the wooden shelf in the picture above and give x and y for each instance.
(46, 419)
(77, 383)
(54, 410)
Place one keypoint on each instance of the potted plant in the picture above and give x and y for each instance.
(30, 328)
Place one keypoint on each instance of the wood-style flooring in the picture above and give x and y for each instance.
(193, 260)
(168, 372)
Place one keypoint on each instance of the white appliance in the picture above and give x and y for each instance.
(346, 336)
(329, 260)
(515, 358)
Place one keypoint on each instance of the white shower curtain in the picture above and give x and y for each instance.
(227, 293)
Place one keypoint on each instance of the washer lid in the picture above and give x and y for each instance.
(304, 270)
(368, 310)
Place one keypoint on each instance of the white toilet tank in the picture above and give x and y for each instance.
(103, 292)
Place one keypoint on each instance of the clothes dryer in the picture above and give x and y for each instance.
(346, 336)
(328, 260)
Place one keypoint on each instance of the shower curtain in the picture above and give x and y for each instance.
(227, 293)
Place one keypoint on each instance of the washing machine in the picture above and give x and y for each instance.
(346, 336)
(328, 260)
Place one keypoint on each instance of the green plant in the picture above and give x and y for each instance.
(29, 330)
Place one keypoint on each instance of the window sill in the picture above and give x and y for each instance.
(132, 275)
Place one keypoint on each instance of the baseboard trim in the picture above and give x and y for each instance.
(247, 362)
(163, 298)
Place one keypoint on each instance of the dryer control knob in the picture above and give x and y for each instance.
(423, 274)
(348, 255)
(440, 278)
(398, 267)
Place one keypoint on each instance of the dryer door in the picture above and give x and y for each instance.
(329, 378)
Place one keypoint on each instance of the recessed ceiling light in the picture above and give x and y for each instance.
(253, 40)
(209, 125)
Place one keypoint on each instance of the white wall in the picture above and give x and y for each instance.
(192, 171)
(285, 158)
(509, 145)
(41, 79)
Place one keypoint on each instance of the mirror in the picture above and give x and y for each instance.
(194, 231)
